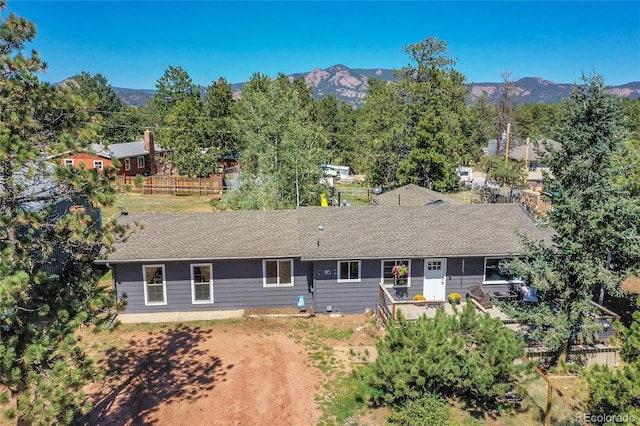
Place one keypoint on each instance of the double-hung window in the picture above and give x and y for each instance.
(97, 164)
(348, 270)
(141, 162)
(396, 272)
(155, 286)
(68, 162)
(202, 283)
(127, 164)
(277, 273)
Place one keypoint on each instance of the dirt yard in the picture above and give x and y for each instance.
(249, 372)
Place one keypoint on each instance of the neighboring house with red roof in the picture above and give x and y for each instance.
(136, 158)
(97, 158)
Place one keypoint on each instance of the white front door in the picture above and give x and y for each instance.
(434, 288)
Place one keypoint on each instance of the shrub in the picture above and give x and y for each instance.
(427, 410)
(463, 353)
(138, 181)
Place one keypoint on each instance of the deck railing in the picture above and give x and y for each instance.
(388, 305)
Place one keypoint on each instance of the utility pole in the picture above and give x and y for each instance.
(506, 147)
(526, 161)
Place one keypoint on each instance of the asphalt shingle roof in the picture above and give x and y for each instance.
(412, 195)
(128, 149)
(430, 231)
(330, 233)
(536, 150)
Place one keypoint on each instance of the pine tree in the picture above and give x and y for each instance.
(595, 215)
(50, 234)
(217, 108)
(462, 354)
(118, 123)
(419, 128)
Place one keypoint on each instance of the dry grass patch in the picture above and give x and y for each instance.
(632, 285)
(152, 203)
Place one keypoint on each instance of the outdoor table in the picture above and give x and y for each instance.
(504, 295)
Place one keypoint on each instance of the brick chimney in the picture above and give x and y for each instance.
(151, 149)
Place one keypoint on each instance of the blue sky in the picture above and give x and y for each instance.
(132, 43)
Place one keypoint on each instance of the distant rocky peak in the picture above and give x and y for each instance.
(351, 84)
(315, 77)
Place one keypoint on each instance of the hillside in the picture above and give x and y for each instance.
(351, 84)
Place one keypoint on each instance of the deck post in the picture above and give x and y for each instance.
(547, 417)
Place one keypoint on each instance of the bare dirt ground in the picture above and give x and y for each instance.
(249, 372)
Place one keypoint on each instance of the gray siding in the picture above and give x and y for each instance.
(355, 297)
(237, 284)
(463, 273)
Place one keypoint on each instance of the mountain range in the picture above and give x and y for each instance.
(350, 85)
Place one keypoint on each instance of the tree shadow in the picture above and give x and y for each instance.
(165, 367)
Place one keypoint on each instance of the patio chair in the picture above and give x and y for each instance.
(478, 294)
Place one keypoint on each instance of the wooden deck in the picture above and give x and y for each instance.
(413, 312)
(388, 307)
(605, 354)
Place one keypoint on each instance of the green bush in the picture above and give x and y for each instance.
(138, 181)
(461, 354)
(428, 410)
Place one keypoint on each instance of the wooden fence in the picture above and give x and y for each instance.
(356, 196)
(170, 185)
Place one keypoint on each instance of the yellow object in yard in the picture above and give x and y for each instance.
(323, 201)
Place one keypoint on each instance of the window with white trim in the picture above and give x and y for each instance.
(97, 164)
(348, 270)
(400, 265)
(495, 270)
(277, 272)
(434, 265)
(140, 162)
(127, 164)
(202, 283)
(68, 162)
(155, 286)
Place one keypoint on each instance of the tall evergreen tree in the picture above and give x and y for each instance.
(48, 281)
(187, 130)
(217, 113)
(595, 216)
(428, 114)
(436, 95)
(384, 134)
(175, 85)
(183, 135)
(118, 122)
(338, 119)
